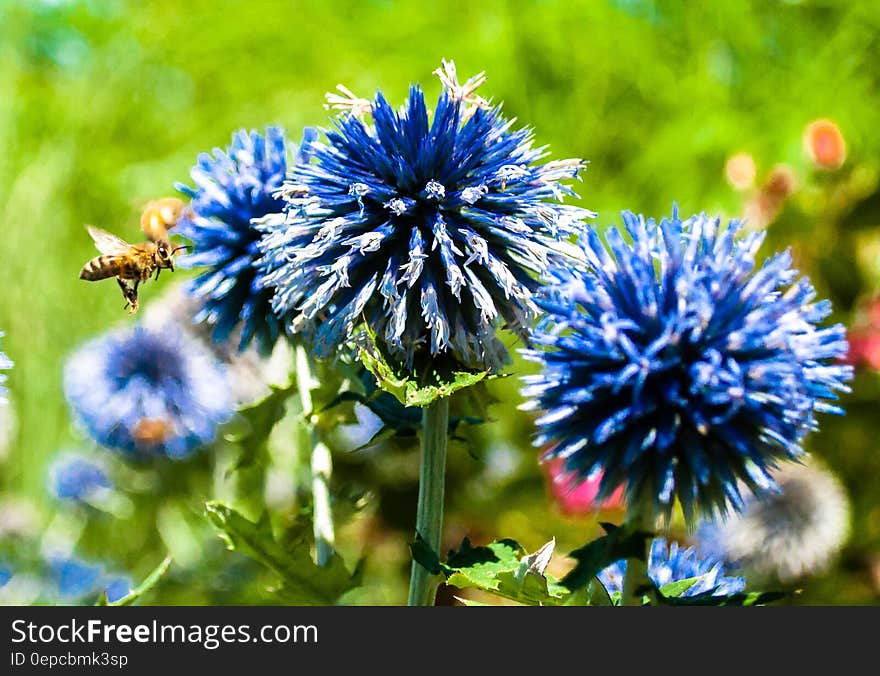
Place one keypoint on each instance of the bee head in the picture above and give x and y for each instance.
(165, 252)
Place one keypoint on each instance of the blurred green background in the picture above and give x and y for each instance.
(104, 104)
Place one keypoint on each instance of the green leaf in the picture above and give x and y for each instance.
(675, 589)
(617, 543)
(254, 424)
(145, 586)
(502, 568)
(425, 556)
(408, 391)
(302, 581)
(425, 395)
(405, 421)
(756, 598)
(470, 603)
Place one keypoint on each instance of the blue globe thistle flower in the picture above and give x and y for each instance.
(677, 369)
(428, 229)
(5, 364)
(672, 563)
(73, 578)
(148, 392)
(75, 478)
(232, 187)
(5, 574)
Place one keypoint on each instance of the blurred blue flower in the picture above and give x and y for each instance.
(672, 563)
(428, 228)
(232, 187)
(75, 478)
(148, 392)
(5, 363)
(73, 578)
(116, 588)
(5, 574)
(677, 369)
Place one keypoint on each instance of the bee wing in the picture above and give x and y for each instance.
(107, 244)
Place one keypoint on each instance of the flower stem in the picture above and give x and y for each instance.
(321, 464)
(636, 576)
(432, 480)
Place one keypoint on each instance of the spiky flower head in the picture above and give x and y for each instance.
(669, 562)
(233, 187)
(73, 477)
(5, 364)
(676, 368)
(148, 392)
(428, 229)
(786, 534)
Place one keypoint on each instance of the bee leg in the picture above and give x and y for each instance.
(132, 297)
(125, 293)
(158, 270)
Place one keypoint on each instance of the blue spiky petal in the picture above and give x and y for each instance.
(675, 368)
(429, 229)
(232, 187)
(669, 562)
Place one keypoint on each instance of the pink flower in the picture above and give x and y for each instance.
(864, 337)
(575, 497)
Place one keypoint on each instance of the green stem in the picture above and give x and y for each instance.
(637, 568)
(320, 463)
(432, 480)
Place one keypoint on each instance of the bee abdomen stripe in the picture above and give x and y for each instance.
(98, 268)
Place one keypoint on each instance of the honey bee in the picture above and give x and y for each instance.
(133, 264)
(160, 216)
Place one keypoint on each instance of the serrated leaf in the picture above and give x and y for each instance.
(471, 603)
(538, 561)
(502, 568)
(145, 586)
(409, 391)
(302, 581)
(675, 589)
(255, 424)
(425, 395)
(757, 598)
(617, 543)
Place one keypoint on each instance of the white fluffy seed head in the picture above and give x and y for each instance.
(791, 534)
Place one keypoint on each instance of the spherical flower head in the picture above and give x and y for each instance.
(76, 478)
(787, 534)
(675, 368)
(251, 373)
(428, 229)
(148, 392)
(233, 187)
(673, 563)
(5, 364)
